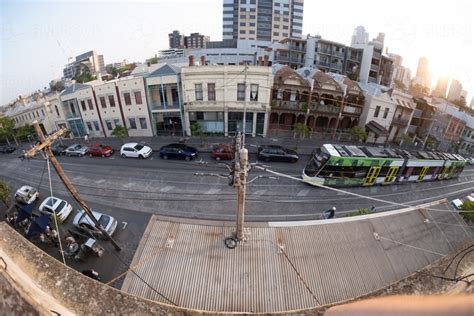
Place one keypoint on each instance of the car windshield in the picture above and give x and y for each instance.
(138, 147)
(104, 220)
(60, 206)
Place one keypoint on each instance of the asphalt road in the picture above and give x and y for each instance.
(131, 190)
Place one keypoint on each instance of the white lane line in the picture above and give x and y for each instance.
(167, 188)
(303, 193)
(212, 191)
(260, 192)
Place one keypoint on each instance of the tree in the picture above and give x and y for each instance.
(120, 132)
(4, 193)
(399, 85)
(358, 134)
(24, 131)
(84, 77)
(469, 208)
(6, 128)
(301, 130)
(153, 60)
(407, 140)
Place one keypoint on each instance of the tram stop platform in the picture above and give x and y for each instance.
(289, 266)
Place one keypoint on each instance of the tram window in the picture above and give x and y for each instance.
(312, 168)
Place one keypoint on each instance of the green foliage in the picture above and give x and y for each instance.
(6, 128)
(196, 129)
(358, 134)
(407, 140)
(4, 193)
(468, 206)
(23, 132)
(84, 77)
(301, 130)
(303, 106)
(274, 103)
(354, 76)
(153, 60)
(120, 132)
(361, 211)
(399, 85)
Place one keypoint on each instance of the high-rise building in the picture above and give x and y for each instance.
(194, 40)
(455, 90)
(441, 87)
(423, 75)
(262, 20)
(89, 62)
(360, 36)
(176, 40)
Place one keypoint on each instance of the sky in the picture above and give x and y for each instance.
(37, 37)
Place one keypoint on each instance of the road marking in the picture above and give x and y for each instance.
(260, 192)
(303, 193)
(151, 158)
(124, 225)
(100, 181)
(167, 188)
(212, 191)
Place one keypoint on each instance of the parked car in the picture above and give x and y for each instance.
(76, 150)
(178, 151)
(457, 203)
(84, 223)
(276, 153)
(26, 195)
(58, 149)
(7, 149)
(53, 204)
(223, 152)
(471, 161)
(100, 150)
(135, 150)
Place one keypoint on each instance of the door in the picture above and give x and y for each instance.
(372, 176)
(422, 174)
(392, 173)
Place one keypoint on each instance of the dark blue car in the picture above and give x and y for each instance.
(178, 151)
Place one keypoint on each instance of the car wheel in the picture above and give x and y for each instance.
(187, 158)
(218, 158)
(165, 157)
(141, 157)
(294, 160)
(124, 156)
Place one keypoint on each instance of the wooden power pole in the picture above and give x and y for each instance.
(45, 145)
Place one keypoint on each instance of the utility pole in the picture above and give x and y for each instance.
(245, 105)
(45, 145)
(241, 187)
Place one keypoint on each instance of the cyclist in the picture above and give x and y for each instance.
(330, 213)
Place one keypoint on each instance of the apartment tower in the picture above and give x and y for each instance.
(262, 20)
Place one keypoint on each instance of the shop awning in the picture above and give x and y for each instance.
(376, 128)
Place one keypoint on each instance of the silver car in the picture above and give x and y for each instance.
(83, 222)
(76, 150)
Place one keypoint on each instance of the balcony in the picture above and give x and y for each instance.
(377, 55)
(287, 59)
(289, 105)
(412, 129)
(324, 64)
(336, 66)
(70, 115)
(417, 113)
(326, 109)
(374, 68)
(400, 121)
(298, 48)
(351, 110)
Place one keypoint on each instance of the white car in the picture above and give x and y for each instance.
(84, 223)
(135, 150)
(26, 194)
(55, 205)
(457, 203)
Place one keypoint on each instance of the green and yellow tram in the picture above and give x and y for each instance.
(340, 165)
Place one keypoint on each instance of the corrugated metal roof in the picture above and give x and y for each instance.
(324, 263)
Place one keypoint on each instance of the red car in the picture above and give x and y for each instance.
(223, 152)
(100, 150)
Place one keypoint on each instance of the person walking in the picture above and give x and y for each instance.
(330, 213)
(86, 138)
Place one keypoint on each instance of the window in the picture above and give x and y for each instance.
(143, 122)
(57, 111)
(242, 31)
(211, 92)
(89, 126)
(96, 125)
(117, 122)
(241, 92)
(138, 97)
(377, 110)
(242, 23)
(254, 92)
(385, 113)
(109, 124)
(128, 100)
(111, 101)
(89, 102)
(132, 122)
(102, 102)
(198, 87)
(83, 105)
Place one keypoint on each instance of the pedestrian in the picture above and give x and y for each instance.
(86, 138)
(330, 213)
(91, 273)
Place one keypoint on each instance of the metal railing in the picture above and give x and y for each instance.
(400, 121)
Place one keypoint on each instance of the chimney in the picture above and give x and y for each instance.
(260, 61)
(265, 60)
(191, 60)
(203, 61)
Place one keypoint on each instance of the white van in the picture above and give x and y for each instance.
(457, 203)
